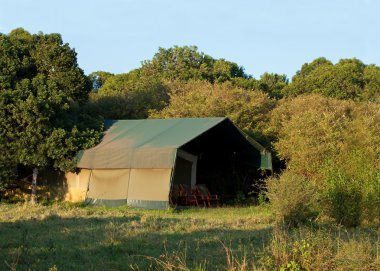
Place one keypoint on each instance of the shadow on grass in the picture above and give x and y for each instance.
(116, 243)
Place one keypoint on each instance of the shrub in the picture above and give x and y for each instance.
(292, 198)
(335, 145)
(350, 193)
(344, 203)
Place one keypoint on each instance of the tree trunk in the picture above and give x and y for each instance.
(34, 186)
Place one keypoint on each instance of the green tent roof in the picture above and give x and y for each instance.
(147, 143)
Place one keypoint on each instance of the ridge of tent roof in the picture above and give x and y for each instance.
(109, 122)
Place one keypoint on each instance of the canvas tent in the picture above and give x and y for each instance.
(137, 161)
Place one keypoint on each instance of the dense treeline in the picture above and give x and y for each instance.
(323, 125)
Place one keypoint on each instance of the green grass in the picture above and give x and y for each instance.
(74, 237)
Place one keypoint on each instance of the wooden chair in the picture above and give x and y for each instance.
(187, 195)
(207, 197)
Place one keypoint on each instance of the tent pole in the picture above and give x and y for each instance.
(88, 185)
(172, 176)
(129, 181)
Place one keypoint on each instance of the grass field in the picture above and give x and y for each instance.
(73, 237)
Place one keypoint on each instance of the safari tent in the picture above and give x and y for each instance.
(138, 161)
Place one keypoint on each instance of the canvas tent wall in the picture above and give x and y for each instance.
(138, 160)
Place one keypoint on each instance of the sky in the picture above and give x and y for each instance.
(273, 36)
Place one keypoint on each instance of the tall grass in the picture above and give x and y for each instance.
(73, 237)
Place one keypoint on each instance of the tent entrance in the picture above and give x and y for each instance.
(227, 162)
(185, 170)
(224, 172)
(227, 173)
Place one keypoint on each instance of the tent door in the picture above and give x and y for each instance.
(185, 171)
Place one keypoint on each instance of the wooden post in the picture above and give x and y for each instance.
(34, 186)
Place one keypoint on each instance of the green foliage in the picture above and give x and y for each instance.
(8, 164)
(306, 130)
(348, 79)
(98, 79)
(291, 266)
(335, 145)
(179, 63)
(308, 68)
(273, 84)
(185, 63)
(293, 198)
(130, 95)
(223, 70)
(40, 84)
(351, 191)
(371, 78)
(343, 197)
(262, 199)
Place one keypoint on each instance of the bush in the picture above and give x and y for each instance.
(351, 189)
(292, 198)
(335, 145)
(345, 204)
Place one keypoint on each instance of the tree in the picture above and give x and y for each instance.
(131, 95)
(40, 86)
(57, 61)
(181, 63)
(348, 79)
(371, 84)
(273, 84)
(308, 68)
(98, 79)
(224, 70)
(185, 63)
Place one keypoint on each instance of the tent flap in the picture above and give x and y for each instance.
(149, 184)
(108, 184)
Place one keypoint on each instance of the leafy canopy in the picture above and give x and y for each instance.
(184, 63)
(348, 79)
(41, 89)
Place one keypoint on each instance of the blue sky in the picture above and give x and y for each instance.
(275, 36)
